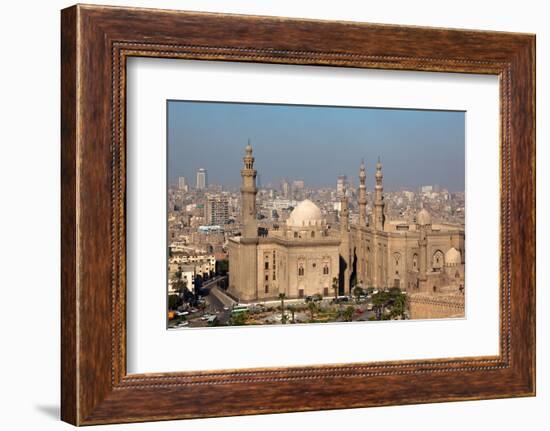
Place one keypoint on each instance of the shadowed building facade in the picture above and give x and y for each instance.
(306, 257)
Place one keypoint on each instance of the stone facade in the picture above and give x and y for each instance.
(427, 306)
(274, 265)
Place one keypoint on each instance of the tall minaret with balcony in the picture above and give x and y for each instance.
(362, 195)
(378, 213)
(345, 254)
(248, 195)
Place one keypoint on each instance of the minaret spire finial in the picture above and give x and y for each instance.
(248, 149)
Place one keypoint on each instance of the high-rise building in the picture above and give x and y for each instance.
(285, 188)
(430, 189)
(182, 184)
(298, 185)
(298, 189)
(341, 185)
(202, 179)
(217, 210)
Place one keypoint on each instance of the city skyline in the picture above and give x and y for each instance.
(296, 142)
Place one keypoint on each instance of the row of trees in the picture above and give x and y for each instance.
(313, 308)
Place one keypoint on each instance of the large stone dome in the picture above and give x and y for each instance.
(423, 217)
(306, 213)
(453, 257)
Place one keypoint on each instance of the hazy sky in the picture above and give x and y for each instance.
(316, 144)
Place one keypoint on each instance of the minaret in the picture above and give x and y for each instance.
(248, 195)
(422, 245)
(345, 263)
(378, 213)
(344, 213)
(424, 226)
(362, 195)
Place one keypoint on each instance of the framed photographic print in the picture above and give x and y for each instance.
(286, 207)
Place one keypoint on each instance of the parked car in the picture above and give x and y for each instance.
(340, 299)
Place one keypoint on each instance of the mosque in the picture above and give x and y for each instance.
(307, 257)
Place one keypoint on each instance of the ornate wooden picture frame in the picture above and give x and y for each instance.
(96, 42)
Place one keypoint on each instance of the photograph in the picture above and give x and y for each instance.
(281, 214)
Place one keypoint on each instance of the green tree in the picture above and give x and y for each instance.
(180, 286)
(348, 313)
(392, 299)
(222, 267)
(174, 301)
(238, 319)
(399, 304)
(312, 307)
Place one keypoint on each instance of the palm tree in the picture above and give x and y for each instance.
(282, 298)
(335, 287)
(312, 306)
(292, 310)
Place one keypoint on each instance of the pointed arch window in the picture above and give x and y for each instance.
(437, 260)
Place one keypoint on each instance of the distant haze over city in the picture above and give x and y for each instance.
(316, 144)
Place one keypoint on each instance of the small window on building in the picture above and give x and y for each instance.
(266, 288)
(314, 265)
(295, 234)
(267, 277)
(300, 293)
(313, 234)
(325, 270)
(325, 291)
(300, 271)
(266, 265)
